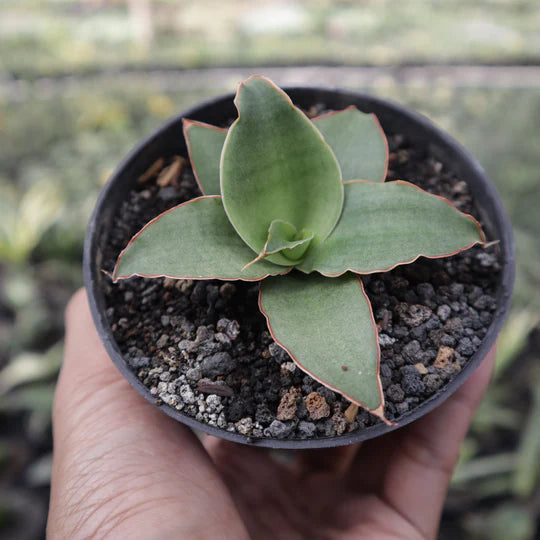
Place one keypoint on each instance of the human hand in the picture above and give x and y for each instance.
(123, 469)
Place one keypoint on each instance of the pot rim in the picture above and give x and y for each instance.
(92, 275)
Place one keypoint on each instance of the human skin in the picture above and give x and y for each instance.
(123, 469)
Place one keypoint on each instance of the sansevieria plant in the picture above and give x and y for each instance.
(302, 207)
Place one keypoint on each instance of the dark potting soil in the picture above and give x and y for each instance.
(203, 347)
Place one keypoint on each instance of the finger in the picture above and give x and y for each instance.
(270, 497)
(413, 466)
(335, 461)
(119, 463)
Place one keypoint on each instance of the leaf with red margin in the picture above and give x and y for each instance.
(276, 165)
(204, 144)
(327, 327)
(387, 224)
(358, 141)
(284, 238)
(194, 240)
(356, 138)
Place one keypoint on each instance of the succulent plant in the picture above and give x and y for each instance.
(302, 207)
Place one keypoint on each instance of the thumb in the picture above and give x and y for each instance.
(120, 464)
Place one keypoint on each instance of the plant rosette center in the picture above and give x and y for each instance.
(301, 206)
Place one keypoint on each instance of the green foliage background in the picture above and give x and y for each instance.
(81, 82)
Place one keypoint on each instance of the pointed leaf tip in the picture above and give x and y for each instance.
(275, 165)
(204, 144)
(283, 238)
(387, 224)
(325, 324)
(193, 241)
(358, 141)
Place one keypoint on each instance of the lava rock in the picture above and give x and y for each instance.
(327, 428)
(385, 340)
(454, 326)
(230, 328)
(287, 406)
(443, 312)
(244, 426)
(432, 382)
(411, 382)
(445, 356)
(425, 291)
(306, 430)
(278, 353)
(263, 415)
(414, 315)
(187, 394)
(327, 394)
(395, 393)
(198, 296)
(317, 406)
(194, 374)
(278, 429)
(465, 346)
(411, 350)
(236, 410)
(138, 362)
(218, 364)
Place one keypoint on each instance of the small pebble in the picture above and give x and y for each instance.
(287, 406)
(411, 350)
(422, 370)
(395, 393)
(221, 363)
(432, 383)
(411, 382)
(306, 430)
(194, 374)
(187, 394)
(162, 341)
(413, 315)
(340, 423)
(465, 346)
(278, 353)
(385, 340)
(244, 426)
(443, 312)
(317, 406)
(213, 403)
(278, 430)
(445, 356)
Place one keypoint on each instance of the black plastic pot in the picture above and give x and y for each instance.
(168, 140)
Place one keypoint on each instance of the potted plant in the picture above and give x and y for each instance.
(301, 206)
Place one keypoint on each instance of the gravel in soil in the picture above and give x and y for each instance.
(202, 347)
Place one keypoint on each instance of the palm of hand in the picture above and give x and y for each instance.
(122, 469)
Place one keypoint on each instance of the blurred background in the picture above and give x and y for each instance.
(81, 81)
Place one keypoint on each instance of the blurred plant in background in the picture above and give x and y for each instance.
(83, 35)
(82, 81)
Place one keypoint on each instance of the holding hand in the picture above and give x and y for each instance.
(123, 469)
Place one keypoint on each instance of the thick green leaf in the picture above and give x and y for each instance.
(327, 327)
(358, 142)
(285, 239)
(356, 138)
(204, 143)
(276, 165)
(387, 224)
(194, 240)
(282, 236)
